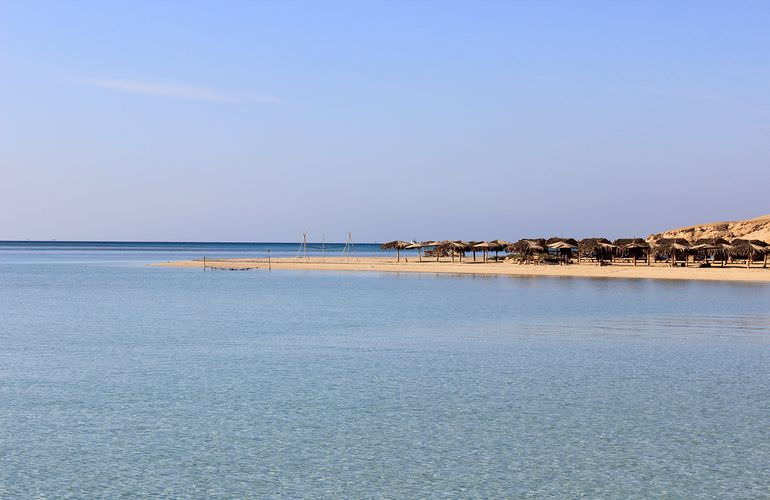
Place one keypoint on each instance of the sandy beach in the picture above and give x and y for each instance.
(389, 264)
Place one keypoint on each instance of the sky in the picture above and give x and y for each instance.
(257, 121)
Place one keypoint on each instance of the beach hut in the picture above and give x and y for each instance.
(600, 249)
(396, 245)
(671, 248)
(528, 249)
(634, 249)
(748, 249)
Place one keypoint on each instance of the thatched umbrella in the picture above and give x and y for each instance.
(398, 245)
(455, 246)
(437, 247)
(749, 248)
(599, 248)
(716, 247)
(563, 246)
(672, 247)
(634, 248)
(484, 246)
(471, 245)
(415, 246)
(527, 248)
(499, 245)
(560, 245)
(557, 239)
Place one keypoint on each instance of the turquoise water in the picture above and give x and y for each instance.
(121, 379)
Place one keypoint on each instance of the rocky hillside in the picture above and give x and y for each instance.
(751, 229)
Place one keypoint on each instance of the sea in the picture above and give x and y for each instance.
(120, 379)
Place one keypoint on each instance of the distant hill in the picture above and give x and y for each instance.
(750, 229)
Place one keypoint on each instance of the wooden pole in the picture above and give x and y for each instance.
(269, 266)
(204, 263)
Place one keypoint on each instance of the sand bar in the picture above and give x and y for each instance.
(585, 270)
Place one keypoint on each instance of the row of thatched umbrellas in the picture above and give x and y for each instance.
(599, 249)
(451, 247)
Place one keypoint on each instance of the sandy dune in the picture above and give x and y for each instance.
(757, 228)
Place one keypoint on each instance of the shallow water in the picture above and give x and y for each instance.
(121, 379)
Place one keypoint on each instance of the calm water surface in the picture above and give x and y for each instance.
(121, 379)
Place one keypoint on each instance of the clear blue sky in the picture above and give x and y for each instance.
(255, 121)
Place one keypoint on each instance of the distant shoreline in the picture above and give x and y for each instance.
(389, 264)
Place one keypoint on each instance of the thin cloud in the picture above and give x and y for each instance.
(175, 91)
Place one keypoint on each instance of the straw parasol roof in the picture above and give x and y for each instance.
(395, 245)
(741, 246)
(591, 245)
(526, 246)
(711, 241)
(572, 242)
(707, 244)
(667, 244)
(630, 243)
(456, 245)
(561, 245)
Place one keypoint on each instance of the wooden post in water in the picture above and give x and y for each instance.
(268, 260)
(204, 263)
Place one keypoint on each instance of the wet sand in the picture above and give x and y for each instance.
(388, 264)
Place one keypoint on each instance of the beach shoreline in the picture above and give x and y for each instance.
(389, 264)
